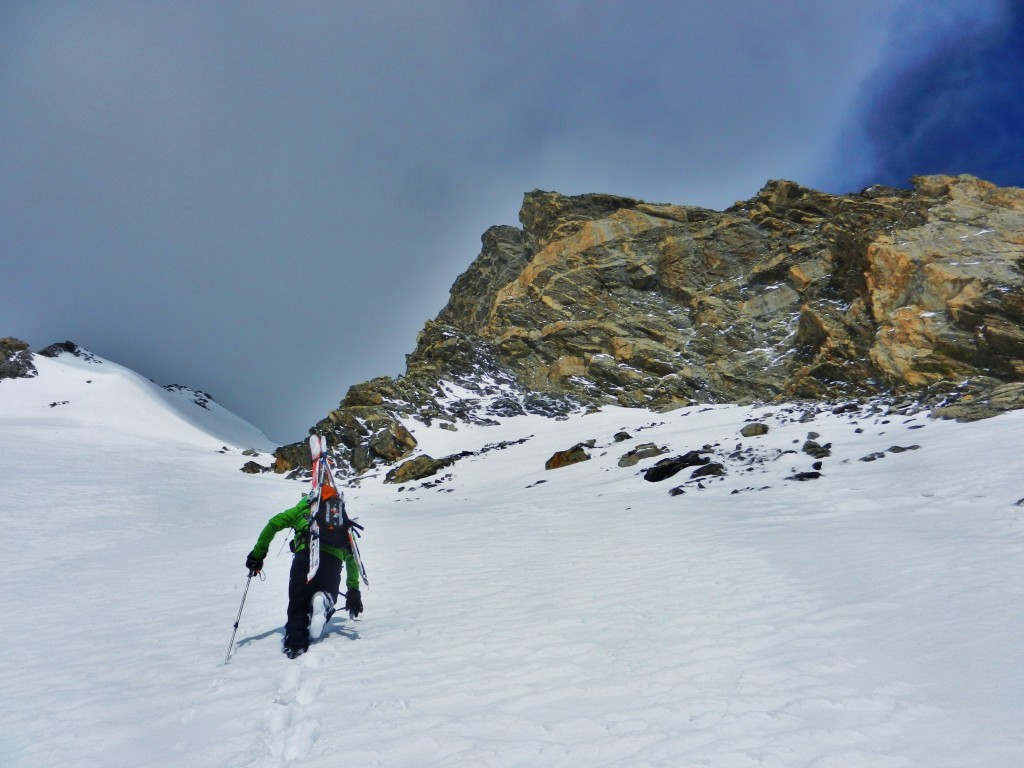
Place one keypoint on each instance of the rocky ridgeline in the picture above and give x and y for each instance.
(792, 295)
(16, 358)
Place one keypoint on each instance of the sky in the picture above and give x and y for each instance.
(267, 200)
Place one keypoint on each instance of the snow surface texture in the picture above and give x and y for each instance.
(869, 617)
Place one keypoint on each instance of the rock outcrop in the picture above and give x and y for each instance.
(793, 294)
(16, 359)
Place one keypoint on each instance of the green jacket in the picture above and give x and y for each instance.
(297, 518)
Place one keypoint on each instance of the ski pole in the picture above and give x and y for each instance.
(238, 618)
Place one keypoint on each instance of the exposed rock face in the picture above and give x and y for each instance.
(15, 359)
(792, 294)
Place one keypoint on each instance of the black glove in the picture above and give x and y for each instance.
(253, 563)
(353, 603)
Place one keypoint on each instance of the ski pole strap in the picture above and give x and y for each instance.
(349, 521)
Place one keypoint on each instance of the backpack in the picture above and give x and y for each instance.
(332, 523)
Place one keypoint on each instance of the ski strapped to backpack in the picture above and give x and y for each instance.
(329, 523)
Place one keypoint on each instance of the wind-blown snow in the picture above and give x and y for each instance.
(871, 617)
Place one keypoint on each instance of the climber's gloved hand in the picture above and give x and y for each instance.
(353, 603)
(253, 563)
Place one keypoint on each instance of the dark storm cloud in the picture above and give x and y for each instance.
(267, 200)
(952, 102)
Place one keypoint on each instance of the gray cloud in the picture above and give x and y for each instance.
(268, 200)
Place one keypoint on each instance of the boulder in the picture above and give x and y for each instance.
(755, 429)
(645, 451)
(573, 455)
(416, 469)
(668, 467)
(393, 442)
(708, 470)
(291, 457)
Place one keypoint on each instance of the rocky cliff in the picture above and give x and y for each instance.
(793, 294)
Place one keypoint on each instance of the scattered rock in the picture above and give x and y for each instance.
(811, 448)
(439, 481)
(873, 456)
(901, 448)
(252, 468)
(621, 437)
(202, 399)
(802, 476)
(506, 407)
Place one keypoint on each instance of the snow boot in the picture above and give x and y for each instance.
(295, 646)
(323, 609)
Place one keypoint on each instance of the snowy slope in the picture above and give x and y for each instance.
(870, 617)
(84, 392)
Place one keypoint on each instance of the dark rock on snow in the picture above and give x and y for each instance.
(666, 468)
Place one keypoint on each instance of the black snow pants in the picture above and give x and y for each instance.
(300, 594)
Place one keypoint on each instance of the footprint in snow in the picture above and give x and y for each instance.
(291, 732)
